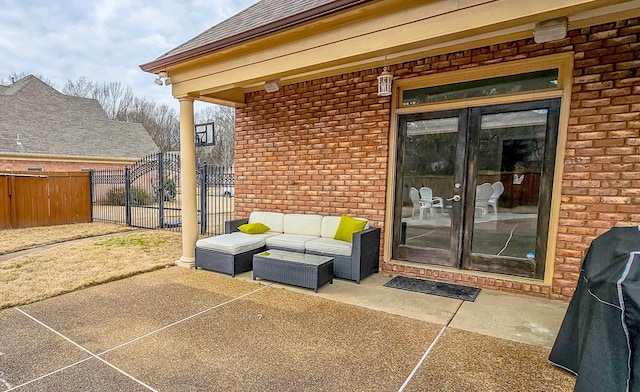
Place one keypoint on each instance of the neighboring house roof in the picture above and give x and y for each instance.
(262, 18)
(36, 119)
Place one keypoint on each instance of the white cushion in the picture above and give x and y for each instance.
(233, 243)
(330, 226)
(273, 220)
(329, 245)
(289, 241)
(303, 224)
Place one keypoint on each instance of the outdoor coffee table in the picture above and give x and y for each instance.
(298, 269)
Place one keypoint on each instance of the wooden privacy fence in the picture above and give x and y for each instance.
(29, 199)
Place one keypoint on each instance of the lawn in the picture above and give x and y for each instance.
(63, 268)
(14, 240)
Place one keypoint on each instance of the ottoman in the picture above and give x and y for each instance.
(228, 253)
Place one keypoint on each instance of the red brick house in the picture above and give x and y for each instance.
(42, 129)
(509, 140)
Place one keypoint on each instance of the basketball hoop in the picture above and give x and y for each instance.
(205, 135)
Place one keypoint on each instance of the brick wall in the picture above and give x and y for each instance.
(322, 146)
(315, 147)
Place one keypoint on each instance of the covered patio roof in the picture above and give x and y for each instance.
(310, 39)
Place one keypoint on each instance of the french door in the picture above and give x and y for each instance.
(473, 187)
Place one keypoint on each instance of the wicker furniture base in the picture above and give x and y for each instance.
(224, 262)
(298, 269)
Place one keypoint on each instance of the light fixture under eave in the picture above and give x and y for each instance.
(271, 86)
(550, 30)
(384, 82)
(163, 78)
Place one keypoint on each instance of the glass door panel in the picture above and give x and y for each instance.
(427, 228)
(512, 168)
(509, 168)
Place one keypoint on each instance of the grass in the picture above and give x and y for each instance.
(71, 266)
(14, 240)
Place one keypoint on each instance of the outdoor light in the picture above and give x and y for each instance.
(550, 30)
(384, 82)
(271, 86)
(162, 77)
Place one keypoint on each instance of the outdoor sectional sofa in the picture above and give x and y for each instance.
(232, 253)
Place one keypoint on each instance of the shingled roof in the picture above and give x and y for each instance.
(262, 18)
(36, 119)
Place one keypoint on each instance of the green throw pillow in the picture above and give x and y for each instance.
(347, 227)
(253, 228)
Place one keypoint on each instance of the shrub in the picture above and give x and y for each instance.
(115, 197)
(169, 189)
(139, 196)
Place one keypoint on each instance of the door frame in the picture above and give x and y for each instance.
(459, 254)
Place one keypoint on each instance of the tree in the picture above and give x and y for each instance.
(120, 103)
(15, 76)
(224, 119)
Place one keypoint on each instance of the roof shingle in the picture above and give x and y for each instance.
(36, 119)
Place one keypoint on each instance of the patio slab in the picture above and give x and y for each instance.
(465, 361)
(28, 350)
(91, 375)
(277, 340)
(180, 329)
(100, 317)
(515, 317)
(372, 294)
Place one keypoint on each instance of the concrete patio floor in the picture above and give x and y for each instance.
(184, 330)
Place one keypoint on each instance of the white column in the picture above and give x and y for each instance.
(188, 184)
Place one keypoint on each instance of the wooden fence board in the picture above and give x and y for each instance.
(5, 205)
(44, 198)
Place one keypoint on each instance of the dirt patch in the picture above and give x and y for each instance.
(14, 240)
(68, 267)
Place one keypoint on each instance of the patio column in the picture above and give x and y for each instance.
(188, 184)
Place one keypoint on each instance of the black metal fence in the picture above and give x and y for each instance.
(148, 194)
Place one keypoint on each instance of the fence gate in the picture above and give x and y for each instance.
(148, 194)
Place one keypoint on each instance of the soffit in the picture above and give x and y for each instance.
(368, 36)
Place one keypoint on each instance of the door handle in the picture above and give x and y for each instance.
(454, 198)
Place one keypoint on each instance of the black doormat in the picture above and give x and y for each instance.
(448, 290)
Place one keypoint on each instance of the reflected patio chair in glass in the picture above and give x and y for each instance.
(426, 195)
(498, 189)
(483, 194)
(418, 204)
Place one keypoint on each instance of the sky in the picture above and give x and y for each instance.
(102, 40)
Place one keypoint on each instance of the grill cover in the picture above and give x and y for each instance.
(599, 337)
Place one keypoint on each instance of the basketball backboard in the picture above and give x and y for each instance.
(205, 135)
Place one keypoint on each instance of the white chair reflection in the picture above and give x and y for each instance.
(418, 204)
(498, 189)
(483, 194)
(426, 196)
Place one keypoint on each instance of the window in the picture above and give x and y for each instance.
(512, 84)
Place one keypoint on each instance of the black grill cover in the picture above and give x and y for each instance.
(600, 334)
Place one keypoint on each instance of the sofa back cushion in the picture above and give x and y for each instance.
(273, 220)
(330, 226)
(303, 224)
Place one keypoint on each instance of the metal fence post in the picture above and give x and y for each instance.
(160, 192)
(203, 198)
(91, 192)
(127, 195)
